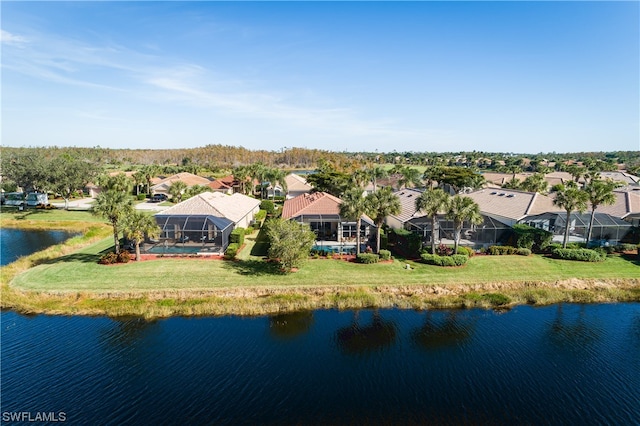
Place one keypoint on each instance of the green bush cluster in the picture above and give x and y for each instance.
(385, 255)
(501, 250)
(497, 299)
(467, 251)
(523, 252)
(268, 207)
(232, 251)
(260, 216)
(535, 239)
(237, 236)
(453, 260)
(141, 197)
(367, 258)
(111, 258)
(580, 254)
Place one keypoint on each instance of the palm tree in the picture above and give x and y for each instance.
(277, 176)
(353, 206)
(410, 177)
(139, 225)
(534, 183)
(113, 205)
(462, 209)
(381, 204)
(431, 202)
(176, 190)
(242, 174)
(376, 173)
(570, 198)
(600, 192)
(150, 171)
(138, 179)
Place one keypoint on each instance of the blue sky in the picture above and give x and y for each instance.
(342, 76)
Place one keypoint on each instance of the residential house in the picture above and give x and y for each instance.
(204, 222)
(322, 212)
(296, 185)
(226, 185)
(161, 185)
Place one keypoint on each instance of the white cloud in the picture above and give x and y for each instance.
(12, 39)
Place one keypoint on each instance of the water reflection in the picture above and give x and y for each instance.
(577, 333)
(127, 331)
(358, 338)
(291, 325)
(452, 331)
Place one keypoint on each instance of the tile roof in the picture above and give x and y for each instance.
(226, 182)
(296, 183)
(233, 207)
(313, 203)
(189, 178)
(407, 204)
(512, 204)
(627, 203)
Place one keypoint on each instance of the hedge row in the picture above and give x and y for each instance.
(111, 258)
(237, 236)
(367, 258)
(232, 251)
(385, 255)
(507, 250)
(453, 260)
(583, 255)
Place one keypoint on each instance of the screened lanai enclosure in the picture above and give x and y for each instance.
(607, 229)
(191, 234)
(489, 232)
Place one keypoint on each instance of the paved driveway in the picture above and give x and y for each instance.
(151, 206)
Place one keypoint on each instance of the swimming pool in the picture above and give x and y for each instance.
(334, 248)
(175, 250)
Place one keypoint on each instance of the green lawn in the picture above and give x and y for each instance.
(80, 272)
(9, 215)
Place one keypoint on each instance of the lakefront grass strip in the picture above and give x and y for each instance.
(66, 279)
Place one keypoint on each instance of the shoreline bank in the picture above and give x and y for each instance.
(238, 293)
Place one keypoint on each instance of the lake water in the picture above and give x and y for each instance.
(16, 242)
(565, 364)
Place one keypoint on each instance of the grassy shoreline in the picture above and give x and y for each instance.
(66, 280)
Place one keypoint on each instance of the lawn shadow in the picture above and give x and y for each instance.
(254, 267)
(631, 257)
(74, 257)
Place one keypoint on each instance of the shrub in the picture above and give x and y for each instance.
(232, 251)
(496, 299)
(459, 259)
(260, 216)
(367, 258)
(501, 250)
(141, 197)
(124, 257)
(576, 245)
(111, 258)
(523, 252)
(237, 236)
(580, 254)
(467, 251)
(443, 250)
(108, 259)
(625, 247)
(268, 207)
(385, 255)
(535, 239)
(434, 259)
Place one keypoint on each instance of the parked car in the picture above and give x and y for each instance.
(158, 198)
